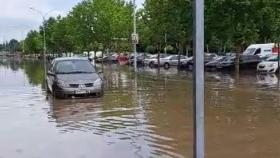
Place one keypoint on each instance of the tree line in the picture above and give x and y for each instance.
(11, 46)
(163, 25)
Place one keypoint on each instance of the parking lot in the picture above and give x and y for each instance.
(148, 114)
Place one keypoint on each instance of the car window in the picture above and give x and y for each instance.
(174, 58)
(249, 51)
(74, 66)
(258, 51)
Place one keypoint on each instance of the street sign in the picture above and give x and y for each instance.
(135, 38)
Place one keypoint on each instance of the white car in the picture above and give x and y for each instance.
(153, 59)
(171, 60)
(270, 65)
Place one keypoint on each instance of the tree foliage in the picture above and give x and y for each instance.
(107, 25)
(90, 25)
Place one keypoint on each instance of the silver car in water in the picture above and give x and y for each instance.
(74, 77)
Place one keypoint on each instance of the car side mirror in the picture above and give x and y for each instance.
(100, 72)
(50, 74)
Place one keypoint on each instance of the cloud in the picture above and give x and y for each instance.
(16, 18)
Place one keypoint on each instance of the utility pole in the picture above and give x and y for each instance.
(198, 73)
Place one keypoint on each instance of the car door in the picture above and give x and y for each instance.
(174, 60)
(182, 59)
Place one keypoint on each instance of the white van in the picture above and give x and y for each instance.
(262, 50)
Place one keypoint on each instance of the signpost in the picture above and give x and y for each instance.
(134, 36)
(198, 73)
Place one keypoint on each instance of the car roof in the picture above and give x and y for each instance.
(70, 58)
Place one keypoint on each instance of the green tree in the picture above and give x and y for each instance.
(33, 43)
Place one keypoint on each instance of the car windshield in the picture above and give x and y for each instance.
(249, 51)
(272, 58)
(74, 66)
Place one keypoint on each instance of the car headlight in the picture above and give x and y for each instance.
(271, 65)
(98, 82)
(61, 83)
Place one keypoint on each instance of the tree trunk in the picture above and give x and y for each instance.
(237, 61)
(158, 57)
(102, 56)
(187, 51)
(179, 57)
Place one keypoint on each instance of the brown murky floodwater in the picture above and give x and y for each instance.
(148, 115)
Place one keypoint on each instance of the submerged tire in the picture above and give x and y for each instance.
(57, 95)
(166, 65)
(151, 65)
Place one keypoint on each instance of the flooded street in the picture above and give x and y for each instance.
(144, 115)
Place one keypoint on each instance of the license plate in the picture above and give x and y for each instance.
(81, 92)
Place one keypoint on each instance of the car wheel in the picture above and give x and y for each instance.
(56, 94)
(100, 94)
(212, 69)
(166, 65)
(151, 65)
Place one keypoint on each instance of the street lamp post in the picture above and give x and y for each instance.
(44, 36)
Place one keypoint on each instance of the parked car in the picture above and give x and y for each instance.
(212, 65)
(140, 58)
(245, 62)
(261, 50)
(108, 58)
(188, 65)
(153, 58)
(172, 60)
(73, 77)
(270, 65)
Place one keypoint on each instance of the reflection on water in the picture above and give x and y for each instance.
(147, 115)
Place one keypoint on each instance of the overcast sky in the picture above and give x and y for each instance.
(16, 19)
